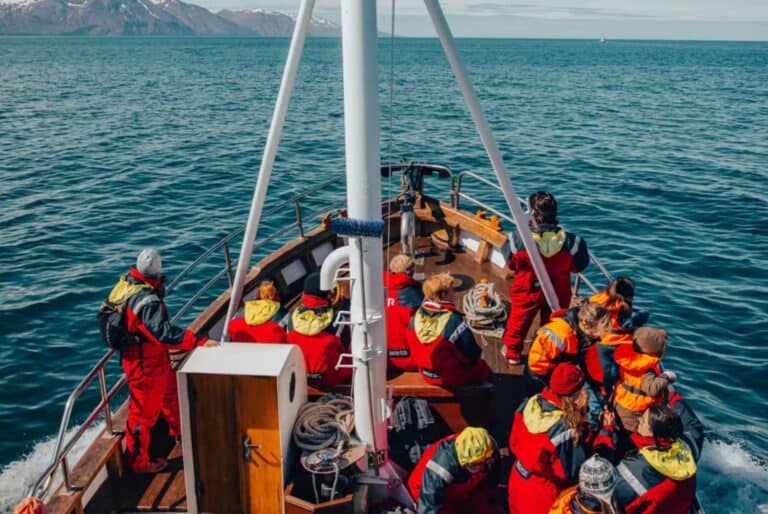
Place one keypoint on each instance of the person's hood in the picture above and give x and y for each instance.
(430, 320)
(311, 321)
(675, 462)
(260, 311)
(540, 414)
(550, 239)
(627, 358)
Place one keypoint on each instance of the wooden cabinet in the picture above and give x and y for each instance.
(238, 405)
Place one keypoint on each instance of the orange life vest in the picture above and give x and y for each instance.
(553, 341)
(604, 299)
(632, 367)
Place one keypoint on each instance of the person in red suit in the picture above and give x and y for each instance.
(403, 298)
(457, 475)
(563, 253)
(263, 318)
(151, 380)
(550, 440)
(659, 476)
(443, 346)
(312, 329)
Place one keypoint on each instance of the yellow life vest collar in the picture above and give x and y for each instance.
(536, 419)
(310, 322)
(124, 290)
(260, 311)
(428, 326)
(549, 241)
(676, 462)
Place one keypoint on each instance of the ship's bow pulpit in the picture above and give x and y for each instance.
(238, 406)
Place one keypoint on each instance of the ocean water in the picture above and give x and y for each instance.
(656, 151)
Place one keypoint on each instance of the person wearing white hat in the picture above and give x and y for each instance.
(593, 494)
(145, 360)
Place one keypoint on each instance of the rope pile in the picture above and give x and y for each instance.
(324, 423)
(484, 309)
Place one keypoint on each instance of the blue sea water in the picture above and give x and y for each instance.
(657, 152)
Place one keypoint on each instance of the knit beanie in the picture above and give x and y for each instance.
(566, 379)
(650, 339)
(312, 285)
(148, 263)
(597, 478)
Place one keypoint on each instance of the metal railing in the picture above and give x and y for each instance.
(457, 194)
(59, 460)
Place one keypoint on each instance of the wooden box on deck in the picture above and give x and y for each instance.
(229, 393)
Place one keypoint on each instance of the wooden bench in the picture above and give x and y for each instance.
(459, 408)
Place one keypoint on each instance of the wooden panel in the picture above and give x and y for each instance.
(166, 490)
(257, 417)
(214, 436)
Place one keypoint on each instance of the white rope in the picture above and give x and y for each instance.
(324, 423)
(488, 319)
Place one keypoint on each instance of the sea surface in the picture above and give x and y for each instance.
(657, 152)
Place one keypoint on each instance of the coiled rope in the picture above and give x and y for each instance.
(484, 309)
(324, 423)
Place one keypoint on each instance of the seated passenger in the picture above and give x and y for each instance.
(263, 319)
(594, 494)
(550, 441)
(456, 475)
(641, 380)
(563, 253)
(618, 298)
(311, 328)
(403, 298)
(659, 477)
(566, 337)
(443, 346)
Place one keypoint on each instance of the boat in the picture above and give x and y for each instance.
(239, 402)
(602, 38)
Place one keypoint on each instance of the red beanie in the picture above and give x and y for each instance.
(566, 379)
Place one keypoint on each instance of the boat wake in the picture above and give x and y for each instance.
(730, 479)
(19, 475)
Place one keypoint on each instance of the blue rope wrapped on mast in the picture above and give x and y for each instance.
(358, 228)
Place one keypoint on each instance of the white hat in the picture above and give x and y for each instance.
(597, 478)
(148, 263)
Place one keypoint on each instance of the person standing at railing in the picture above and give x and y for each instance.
(263, 320)
(151, 380)
(563, 253)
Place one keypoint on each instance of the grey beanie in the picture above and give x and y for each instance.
(148, 263)
(597, 478)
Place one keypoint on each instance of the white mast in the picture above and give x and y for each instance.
(361, 135)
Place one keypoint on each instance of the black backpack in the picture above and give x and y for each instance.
(111, 315)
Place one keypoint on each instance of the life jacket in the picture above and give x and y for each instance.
(403, 297)
(444, 348)
(562, 253)
(312, 330)
(632, 366)
(112, 319)
(455, 483)
(658, 478)
(557, 341)
(261, 322)
(599, 362)
(604, 299)
(569, 503)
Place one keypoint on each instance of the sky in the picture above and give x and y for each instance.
(617, 19)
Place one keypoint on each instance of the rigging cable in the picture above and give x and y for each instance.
(390, 142)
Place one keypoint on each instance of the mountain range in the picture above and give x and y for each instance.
(145, 18)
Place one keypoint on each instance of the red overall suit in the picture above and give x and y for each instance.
(403, 298)
(444, 348)
(312, 330)
(439, 485)
(548, 461)
(151, 380)
(262, 322)
(563, 253)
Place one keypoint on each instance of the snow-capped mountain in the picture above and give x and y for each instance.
(143, 17)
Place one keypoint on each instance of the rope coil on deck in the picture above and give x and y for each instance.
(484, 309)
(324, 423)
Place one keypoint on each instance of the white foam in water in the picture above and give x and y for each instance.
(730, 480)
(18, 476)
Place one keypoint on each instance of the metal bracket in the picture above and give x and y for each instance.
(248, 448)
(376, 459)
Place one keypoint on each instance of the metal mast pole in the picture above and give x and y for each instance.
(268, 158)
(361, 133)
(491, 148)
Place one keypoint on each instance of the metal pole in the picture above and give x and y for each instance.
(361, 135)
(105, 399)
(228, 263)
(491, 148)
(268, 159)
